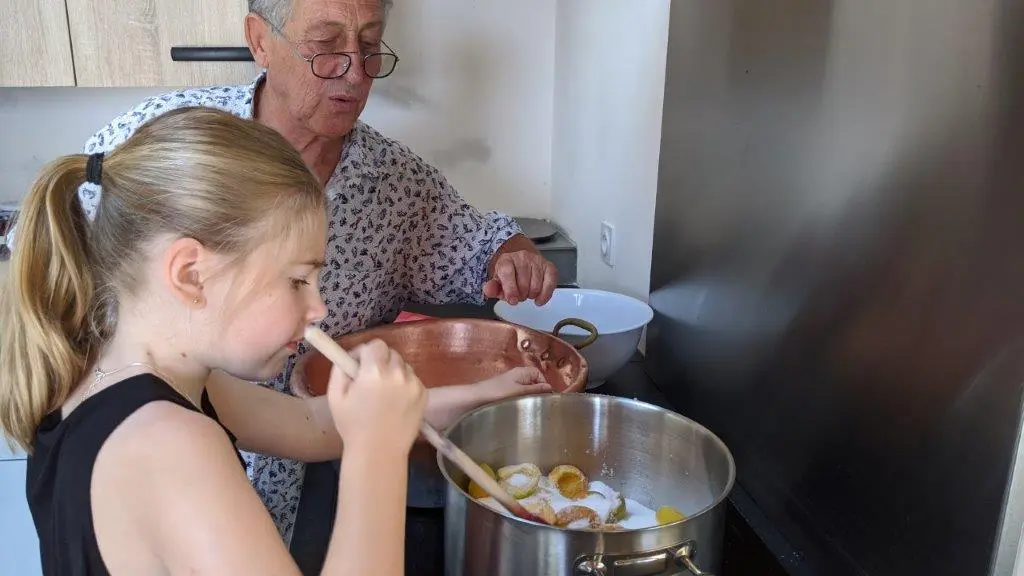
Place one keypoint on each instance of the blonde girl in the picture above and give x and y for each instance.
(203, 255)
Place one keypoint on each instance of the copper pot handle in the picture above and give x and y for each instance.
(579, 324)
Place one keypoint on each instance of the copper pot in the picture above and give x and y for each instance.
(452, 351)
(449, 351)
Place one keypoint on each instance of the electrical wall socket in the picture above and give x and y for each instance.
(608, 243)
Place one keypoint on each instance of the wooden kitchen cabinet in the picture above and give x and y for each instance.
(128, 42)
(34, 45)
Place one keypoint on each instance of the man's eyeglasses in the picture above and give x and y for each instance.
(328, 65)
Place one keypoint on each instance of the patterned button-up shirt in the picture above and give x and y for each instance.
(398, 233)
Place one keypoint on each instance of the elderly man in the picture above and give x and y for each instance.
(398, 231)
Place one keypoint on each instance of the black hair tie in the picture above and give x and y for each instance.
(94, 168)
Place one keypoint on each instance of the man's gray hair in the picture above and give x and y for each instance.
(278, 12)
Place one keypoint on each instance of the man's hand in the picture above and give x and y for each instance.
(522, 275)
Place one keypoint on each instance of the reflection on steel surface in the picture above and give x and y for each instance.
(838, 272)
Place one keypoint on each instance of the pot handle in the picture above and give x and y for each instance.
(644, 564)
(603, 565)
(579, 324)
(684, 559)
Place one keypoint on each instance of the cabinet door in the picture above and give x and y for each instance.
(128, 42)
(34, 44)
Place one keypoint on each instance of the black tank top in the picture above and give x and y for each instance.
(60, 470)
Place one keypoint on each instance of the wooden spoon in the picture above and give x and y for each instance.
(350, 366)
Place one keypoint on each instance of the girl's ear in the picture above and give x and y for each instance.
(183, 264)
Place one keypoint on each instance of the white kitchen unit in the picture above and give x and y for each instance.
(19, 547)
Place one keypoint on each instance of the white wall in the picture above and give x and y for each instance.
(609, 88)
(474, 96)
(470, 94)
(40, 124)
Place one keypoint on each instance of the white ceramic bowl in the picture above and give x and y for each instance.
(619, 320)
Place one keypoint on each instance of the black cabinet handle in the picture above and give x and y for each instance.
(210, 54)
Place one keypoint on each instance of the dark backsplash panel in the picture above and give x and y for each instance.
(836, 274)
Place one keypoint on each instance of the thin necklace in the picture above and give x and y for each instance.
(98, 375)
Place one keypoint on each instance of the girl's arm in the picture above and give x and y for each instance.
(372, 486)
(169, 495)
(447, 403)
(379, 415)
(269, 422)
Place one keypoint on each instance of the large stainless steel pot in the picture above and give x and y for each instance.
(650, 454)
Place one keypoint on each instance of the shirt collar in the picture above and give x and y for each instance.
(250, 94)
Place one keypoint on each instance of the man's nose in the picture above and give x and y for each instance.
(355, 73)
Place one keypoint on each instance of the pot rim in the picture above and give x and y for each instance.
(608, 398)
(502, 305)
(577, 384)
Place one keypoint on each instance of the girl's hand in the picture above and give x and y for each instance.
(383, 406)
(516, 382)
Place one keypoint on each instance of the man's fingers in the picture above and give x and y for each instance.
(506, 272)
(548, 285)
(522, 276)
(536, 279)
(524, 279)
(492, 289)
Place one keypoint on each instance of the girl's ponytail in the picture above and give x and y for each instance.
(47, 338)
